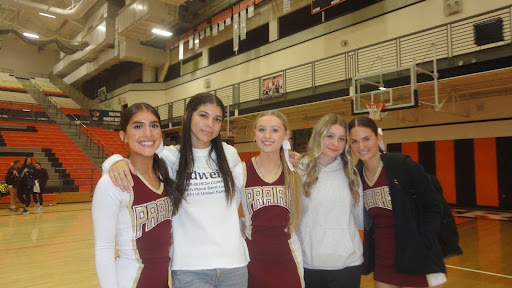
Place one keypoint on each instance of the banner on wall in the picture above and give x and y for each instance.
(105, 116)
(272, 87)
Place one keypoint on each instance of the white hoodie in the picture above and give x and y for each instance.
(327, 231)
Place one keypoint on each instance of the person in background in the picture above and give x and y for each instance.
(11, 179)
(26, 183)
(137, 223)
(332, 207)
(402, 214)
(41, 175)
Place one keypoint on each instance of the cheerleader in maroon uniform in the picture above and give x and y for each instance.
(137, 223)
(271, 199)
(400, 247)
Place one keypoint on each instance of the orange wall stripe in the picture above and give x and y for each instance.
(411, 149)
(486, 172)
(445, 169)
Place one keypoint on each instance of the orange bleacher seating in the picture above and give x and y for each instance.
(53, 93)
(12, 88)
(110, 138)
(20, 106)
(74, 111)
(52, 136)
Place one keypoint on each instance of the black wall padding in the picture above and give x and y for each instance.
(465, 172)
(394, 147)
(427, 156)
(504, 162)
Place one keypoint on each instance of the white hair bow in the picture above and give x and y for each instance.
(286, 146)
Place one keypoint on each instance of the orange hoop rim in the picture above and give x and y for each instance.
(375, 108)
(376, 104)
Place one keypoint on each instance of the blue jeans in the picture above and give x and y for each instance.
(211, 278)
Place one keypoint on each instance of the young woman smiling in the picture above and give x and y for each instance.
(331, 209)
(271, 200)
(402, 214)
(138, 223)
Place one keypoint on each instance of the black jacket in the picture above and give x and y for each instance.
(42, 177)
(417, 218)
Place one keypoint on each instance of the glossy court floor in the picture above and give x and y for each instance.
(55, 249)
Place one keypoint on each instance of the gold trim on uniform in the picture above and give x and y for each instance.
(160, 189)
(248, 229)
(272, 180)
(134, 244)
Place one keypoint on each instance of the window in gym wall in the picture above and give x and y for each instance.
(173, 72)
(297, 21)
(256, 37)
(302, 19)
(192, 63)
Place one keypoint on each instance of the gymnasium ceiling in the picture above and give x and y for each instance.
(24, 16)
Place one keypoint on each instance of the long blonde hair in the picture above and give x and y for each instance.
(291, 178)
(312, 166)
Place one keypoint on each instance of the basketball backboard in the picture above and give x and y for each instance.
(395, 87)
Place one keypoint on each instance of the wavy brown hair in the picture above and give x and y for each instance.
(291, 178)
(312, 166)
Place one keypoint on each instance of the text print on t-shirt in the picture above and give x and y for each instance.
(377, 197)
(257, 197)
(150, 214)
(205, 183)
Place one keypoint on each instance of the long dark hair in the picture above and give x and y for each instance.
(186, 164)
(159, 166)
(363, 121)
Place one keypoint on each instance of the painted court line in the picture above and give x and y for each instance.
(478, 271)
(48, 244)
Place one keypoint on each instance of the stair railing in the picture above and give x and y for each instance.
(102, 148)
(91, 178)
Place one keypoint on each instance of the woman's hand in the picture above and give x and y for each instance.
(120, 174)
(294, 158)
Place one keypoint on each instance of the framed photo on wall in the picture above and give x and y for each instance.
(272, 86)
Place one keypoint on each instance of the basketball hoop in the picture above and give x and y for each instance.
(375, 108)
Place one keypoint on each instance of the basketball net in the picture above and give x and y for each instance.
(375, 108)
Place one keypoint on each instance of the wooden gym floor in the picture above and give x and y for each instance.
(55, 249)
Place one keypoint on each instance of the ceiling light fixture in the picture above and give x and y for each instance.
(47, 15)
(31, 35)
(161, 32)
(382, 88)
